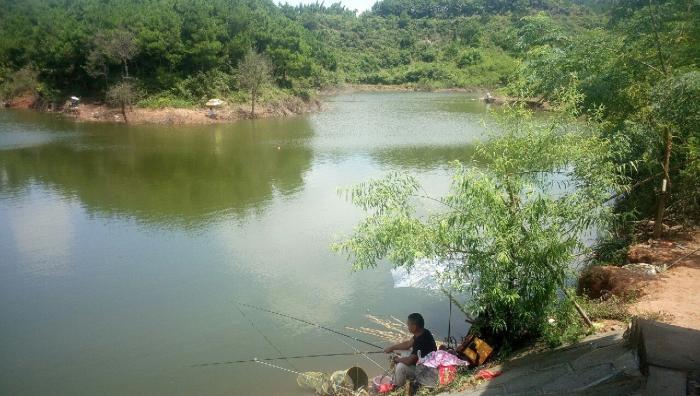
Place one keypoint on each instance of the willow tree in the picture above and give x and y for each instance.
(254, 74)
(511, 225)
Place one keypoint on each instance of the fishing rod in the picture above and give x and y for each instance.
(311, 324)
(284, 358)
(281, 355)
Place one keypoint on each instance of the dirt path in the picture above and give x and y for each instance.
(674, 292)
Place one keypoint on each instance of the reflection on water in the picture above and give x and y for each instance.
(164, 175)
(41, 230)
(123, 248)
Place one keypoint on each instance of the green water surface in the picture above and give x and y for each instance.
(124, 248)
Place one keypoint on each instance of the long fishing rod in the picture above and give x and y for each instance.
(284, 358)
(281, 355)
(312, 324)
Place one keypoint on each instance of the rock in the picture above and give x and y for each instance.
(643, 268)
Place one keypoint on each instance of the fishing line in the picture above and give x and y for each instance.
(362, 353)
(449, 319)
(284, 358)
(265, 337)
(311, 324)
(327, 329)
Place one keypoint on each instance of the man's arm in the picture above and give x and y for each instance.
(409, 360)
(408, 344)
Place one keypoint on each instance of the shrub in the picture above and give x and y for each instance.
(165, 99)
(21, 82)
(205, 85)
(469, 57)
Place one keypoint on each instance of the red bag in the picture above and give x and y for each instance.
(488, 374)
(447, 374)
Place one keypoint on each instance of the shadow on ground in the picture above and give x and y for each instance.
(656, 359)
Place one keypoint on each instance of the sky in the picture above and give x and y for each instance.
(360, 5)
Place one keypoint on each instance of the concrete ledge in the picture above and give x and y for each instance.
(667, 346)
(665, 382)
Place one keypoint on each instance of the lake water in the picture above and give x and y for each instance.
(123, 249)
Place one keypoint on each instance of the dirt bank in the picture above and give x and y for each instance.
(661, 277)
(89, 112)
(178, 116)
(674, 292)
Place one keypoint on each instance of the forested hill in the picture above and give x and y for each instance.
(190, 48)
(184, 51)
(439, 43)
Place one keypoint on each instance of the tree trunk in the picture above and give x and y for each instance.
(253, 94)
(665, 184)
(126, 69)
(580, 310)
(124, 112)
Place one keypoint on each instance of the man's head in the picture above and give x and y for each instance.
(415, 323)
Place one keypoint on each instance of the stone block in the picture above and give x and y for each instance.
(667, 382)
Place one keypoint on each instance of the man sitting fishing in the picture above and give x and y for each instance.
(419, 346)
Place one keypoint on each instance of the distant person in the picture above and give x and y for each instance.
(419, 346)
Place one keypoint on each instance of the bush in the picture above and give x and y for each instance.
(469, 57)
(563, 325)
(21, 82)
(165, 99)
(205, 85)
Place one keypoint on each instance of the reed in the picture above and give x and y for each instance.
(391, 330)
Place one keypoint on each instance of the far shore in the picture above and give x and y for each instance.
(96, 112)
(350, 88)
(192, 116)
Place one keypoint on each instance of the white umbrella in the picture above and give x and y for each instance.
(214, 103)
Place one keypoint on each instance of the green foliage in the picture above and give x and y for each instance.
(123, 94)
(676, 105)
(469, 57)
(563, 324)
(641, 69)
(611, 308)
(84, 46)
(163, 100)
(202, 86)
(22, 82)
(507, 232)
(254, 75)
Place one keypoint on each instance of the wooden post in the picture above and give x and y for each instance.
(665, 184)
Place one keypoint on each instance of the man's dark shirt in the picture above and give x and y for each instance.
(425, 343)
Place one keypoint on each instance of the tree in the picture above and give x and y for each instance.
(97, 62)
(506, 233)
(121, 46)
(117, 46)
(254, 74)
(676, 110)
(123, 95)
